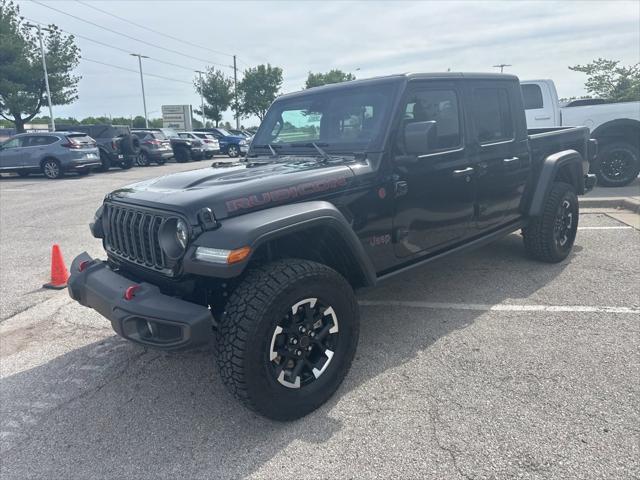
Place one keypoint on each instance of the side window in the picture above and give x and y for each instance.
(440, 106)
(532, 96)
(492, 114)
(13, 143)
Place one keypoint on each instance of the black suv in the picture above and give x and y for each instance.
(344, 186)
(118, 147)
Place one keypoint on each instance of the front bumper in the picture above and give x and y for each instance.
(149, 317)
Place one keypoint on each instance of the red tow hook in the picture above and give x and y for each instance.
(83, 265)
(130, 292)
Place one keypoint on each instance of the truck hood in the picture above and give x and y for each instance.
(235, 189)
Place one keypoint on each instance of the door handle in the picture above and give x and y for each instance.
(464, 172)
(543, 117)
(510, 160)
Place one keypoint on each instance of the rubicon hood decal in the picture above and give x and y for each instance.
(287, 193)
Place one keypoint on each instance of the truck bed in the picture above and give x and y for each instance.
(545, 141)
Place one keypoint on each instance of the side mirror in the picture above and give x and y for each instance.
(419, 137)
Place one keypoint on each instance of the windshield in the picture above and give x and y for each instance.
(347, 119)
(222, 131)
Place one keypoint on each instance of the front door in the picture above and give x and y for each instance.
(11, 154)
(434, 189)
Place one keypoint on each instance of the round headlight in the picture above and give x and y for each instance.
(182, 234)
(173, 238)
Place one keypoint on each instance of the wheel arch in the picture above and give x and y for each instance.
(313, 230)
(621, 129)
(565, 166)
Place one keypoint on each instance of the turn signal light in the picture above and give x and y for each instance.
(238, 255)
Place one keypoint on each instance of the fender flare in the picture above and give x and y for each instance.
(550, 167)
(602, 131)
(256, 228)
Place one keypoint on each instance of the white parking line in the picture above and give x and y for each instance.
(498, 308)
(620, 227)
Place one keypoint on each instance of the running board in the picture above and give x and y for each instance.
(477, 243)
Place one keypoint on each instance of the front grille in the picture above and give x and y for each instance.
(133, 235)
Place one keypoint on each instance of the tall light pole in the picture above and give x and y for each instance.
(204, 121)
(144, 101)
(235, 91)
(501, 66)
(46, 75)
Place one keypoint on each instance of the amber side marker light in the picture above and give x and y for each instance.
(222, 256)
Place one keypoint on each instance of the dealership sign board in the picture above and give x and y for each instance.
(177, 117)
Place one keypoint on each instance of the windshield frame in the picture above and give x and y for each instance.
(305, 147)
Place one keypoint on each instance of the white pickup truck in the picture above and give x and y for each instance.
(616, 126)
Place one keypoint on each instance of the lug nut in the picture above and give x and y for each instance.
(298, 352)
(309, 348)
(294, 341)
(312, 334)
(302, 329)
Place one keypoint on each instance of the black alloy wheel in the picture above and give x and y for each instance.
(303, 343)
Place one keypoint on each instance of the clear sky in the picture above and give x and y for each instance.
(540, 39)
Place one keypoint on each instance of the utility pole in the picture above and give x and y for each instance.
(501, 66)
(46, 75)
(235, 91)
(204, 121)
(144, 101)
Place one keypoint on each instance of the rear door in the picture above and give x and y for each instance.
(435, 190)
(35, 148)
(502, 162)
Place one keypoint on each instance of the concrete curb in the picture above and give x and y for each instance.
(611, 202)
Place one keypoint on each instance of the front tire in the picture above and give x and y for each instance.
(288, 337)
(233, 151)
(550, 237)
(618, 164)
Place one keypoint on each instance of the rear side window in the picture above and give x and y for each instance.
(492, 114)
(440, 106)
(39, 140)
(532, 96)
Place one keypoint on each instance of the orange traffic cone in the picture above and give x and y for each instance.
(59, 273)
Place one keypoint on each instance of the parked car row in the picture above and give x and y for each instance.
(81, 148)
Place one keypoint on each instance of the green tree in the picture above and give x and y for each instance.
(258, 89)
(216, 89)
(609, 80)
(22, 85)
(332, 76)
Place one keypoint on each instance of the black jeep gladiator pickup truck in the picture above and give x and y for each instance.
(344, 186)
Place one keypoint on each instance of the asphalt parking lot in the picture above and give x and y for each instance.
(487, 365)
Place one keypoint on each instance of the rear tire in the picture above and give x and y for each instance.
(52, 169)
(257, 355)
(142, 159)
(182, 154)
(550, 237)
(618, 164)
(127, 163)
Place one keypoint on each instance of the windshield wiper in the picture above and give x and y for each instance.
(274, 154)
(324, 154)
